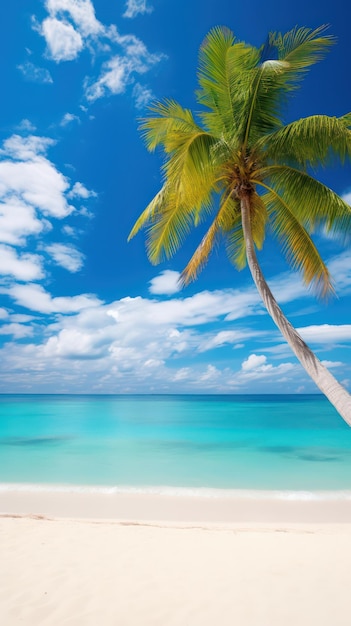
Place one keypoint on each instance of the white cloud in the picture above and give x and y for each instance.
(142, 96)
(72, 26)
(113, 79)
(254, 362)
(326, 333)
(26, 126)
(63, 41)
(137, 7)
(31, 178)
(18, 331)
(72, 343)
(35, 74)
(23, 148)
(37, 183)
(80, 191)
(35, 298)
(81, 12)
(118, 72)
(68, 118)
(331, 364)
(210, 375)
(166, 283)
(256, 367)
(182, 374)
(147, 344)
(229, 337)
(17, 221)
(21, 267)
(66, 255)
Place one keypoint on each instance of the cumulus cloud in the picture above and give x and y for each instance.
(80, 191)
(33, 195)
(20, 266)
(71, 27)
(32, 189)
(31, 178)
(256, 367)
(35, 74)
(35, 298)
(17, 221)
(63, 41)
(166, 283)
(66, 255)
(18, 331)
(81, 12)
(147, 344)
(134, 342)
(118, 72)
(254, 362)
(136, 7)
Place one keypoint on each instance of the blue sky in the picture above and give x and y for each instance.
(81, 309)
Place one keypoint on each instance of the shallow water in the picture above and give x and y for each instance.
(218, 442)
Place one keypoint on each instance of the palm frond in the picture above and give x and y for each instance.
(235, 244)
(228, 211)
(201, 254)
(270, 83)
(154, 207)
(314, 204)
(258, 219)
(301, 48)
(313, 141)
(223, 67)
(169, 228)
(346, 119)
(297, 245)
(168, 122)
(193, 168)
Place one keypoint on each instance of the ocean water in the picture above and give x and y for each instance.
(290, 443)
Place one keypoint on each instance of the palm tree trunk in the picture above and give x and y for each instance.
(325, 381)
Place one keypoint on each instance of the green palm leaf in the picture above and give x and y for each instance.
(170, 121)
(169, 228)
(298, 247)
(228, 213)
(155, 207)
(313, 141)
(314, 204)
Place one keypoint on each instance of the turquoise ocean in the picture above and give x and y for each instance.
(157, 443)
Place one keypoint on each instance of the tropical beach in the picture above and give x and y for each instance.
(179, 550)
(175, 443)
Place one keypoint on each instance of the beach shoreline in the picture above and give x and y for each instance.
(167, 504)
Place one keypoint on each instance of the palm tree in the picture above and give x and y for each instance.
(242, 165)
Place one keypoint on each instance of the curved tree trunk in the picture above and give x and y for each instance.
(326, 382)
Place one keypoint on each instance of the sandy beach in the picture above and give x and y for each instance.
(174, 561)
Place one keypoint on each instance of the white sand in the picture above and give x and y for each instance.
(84, 572)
